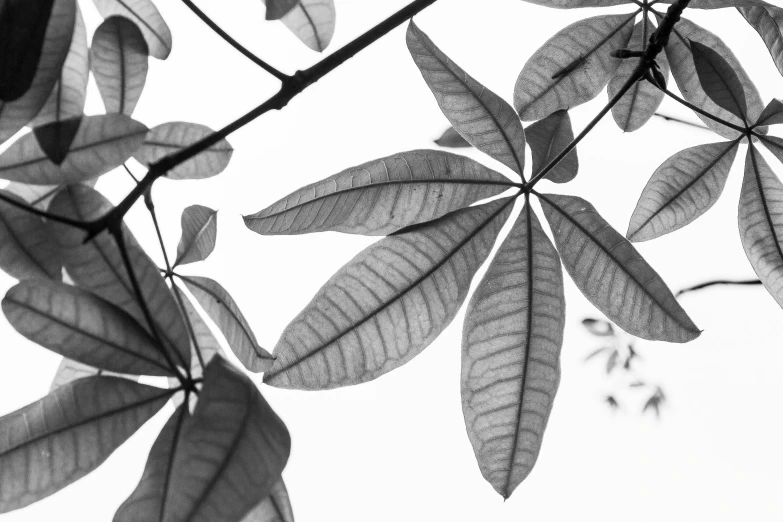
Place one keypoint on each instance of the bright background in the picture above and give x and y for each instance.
(396, 448)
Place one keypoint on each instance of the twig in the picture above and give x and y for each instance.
(743, 282)
(678, 120)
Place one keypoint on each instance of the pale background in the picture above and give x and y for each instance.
(396, 449)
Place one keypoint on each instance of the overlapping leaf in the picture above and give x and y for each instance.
(452, 139)
(199, 233)
(382, 195)
(719, 80)
(144, 14)
(774, 145)
(548, 138)
(70, 370)
(773, 113)
(312, 21)
(387, 304)
(612, 275)
(511, 344)
(768, 22)
(204, 341)
(275, 9)
(274, 508)
(26, 249)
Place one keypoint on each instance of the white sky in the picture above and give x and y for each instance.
(396, 448)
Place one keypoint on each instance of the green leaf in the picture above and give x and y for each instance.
(382, 195)
(452, 139)
(768, 22)
(275, 9)
(683, 188)
(101, 144)
(719, 80)
(27, 250)
(82, 326)
(761, 222)
(170, 138)
(118, 61)
(572, 67)
(217, 464)
(548, 138)
(773, 113)
(312, 21)
(224, 311)
(511, 344)
(199, 233)
(612, 275)
(274, 508)
(639, 104)
(482, 117)
(146, 16)
(388, 303)
(64, 436)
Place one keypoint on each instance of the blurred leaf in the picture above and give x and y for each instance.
(312, 21)
(612, 402)
(719, 80)
(611, 361)
(654, 404)
(146, 16)
(768, 22)
(453, 139)
(548, 138)
(637, 384)
(274, 508)
(598, 327)
(275, 9)
(773, 112)
(596, 352)
(26, 248)
(199, 233)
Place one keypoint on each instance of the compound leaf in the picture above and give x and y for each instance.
(548, 138)
(144, 14)
(199, 233)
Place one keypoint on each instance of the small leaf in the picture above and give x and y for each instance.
(611, 362)
(767, 20)
(27, 250)
(118, 60)
(388, 303)
(452, 139)
(169, 138)
(612, 275)
(146, 16)
(64, 436)
(719, 80)
(773, 113)
(654, 404)
(478, 114)
(274, 508)
(199, 233)
(275, 9)
(382, 196)
(611, 402)
(683, 188)
(598, 327)
(312, 21)
(548, 138)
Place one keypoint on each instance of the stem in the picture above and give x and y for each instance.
(125, 166)
(678, 120)
(151, 207)
(709, 115)
(744, 282)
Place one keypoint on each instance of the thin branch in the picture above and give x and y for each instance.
(678, 120)
(130, 173)
(151, 207)
(701, 111)
(743, 282)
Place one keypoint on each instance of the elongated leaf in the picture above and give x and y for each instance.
(774, 145)
(97, 266)
(222, 308)
(16, 114)
(452, 139)
(683, 188)
(684, 71)
(39, 196)
(639, 104)
(53, 442)
(204, 341)
(720, 4)
(26, 249)
(761, 222)
(574, 4)
(23, 26)
(768, 22)
(548, 138)
(199, 233)
(216, 465)
(169, 138)
(312, 21)
(571, 67)
(274, 508)
(275, 9)
(511, 344)
(719, 80)
(146, 16)
(478, 114)
(382, 195)
(773, 113)
(70, 371)
(388, 303)
(612, 275)
(118, 60)
(101, 144)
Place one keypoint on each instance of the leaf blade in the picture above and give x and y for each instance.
(719, 80)
(312, 21)
(199, 234)
(144, 14)
(767, 21)
(26, 248)
(548, 138)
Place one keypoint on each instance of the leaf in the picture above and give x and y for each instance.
(774, 145)
(312, 21)
(26, 248)
(453, 139)
(687, 78)
(275, 9)
(206, 342)
(101, 144)
(639, 104)
(97, 266)
(511, 344)
(761, 222)
(216, 465)
(118, 60)
(773, 113)
(719, 80)
(768, 22)
(170, 138)
(611, 362)
(16, 114)
(55, 139)
(612, 275)
(382, 196)
(64, 436)
(719, 4)
(199, 233)
(222, 308)
(548, 138)
(274, 508)
(70, 370)
(683, 188)
(388, 303)
(146, 16)
(482, 117)
(598, 327)
(573, 4)
(572, 67)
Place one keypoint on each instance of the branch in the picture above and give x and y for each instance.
(677, 120)
(744, 282)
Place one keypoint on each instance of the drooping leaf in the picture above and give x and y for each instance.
(275, 9)
(224, 311)
(199, 233)
(719, 80)
(548, 138)
(26, 248)
(312, 21)
(217, 464)
(118, 60)
(768, 22)
(511, 344)
(274, 508)
(612, 275)
(683, 188)
(761, 222)
(572, 67)
(382, 195)
(169, 138)
(478, 114)
(101, 144)
(388, 303)
(146, 16)
(773, 113)
(64, 436)
(452, 139)
(639, 104)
